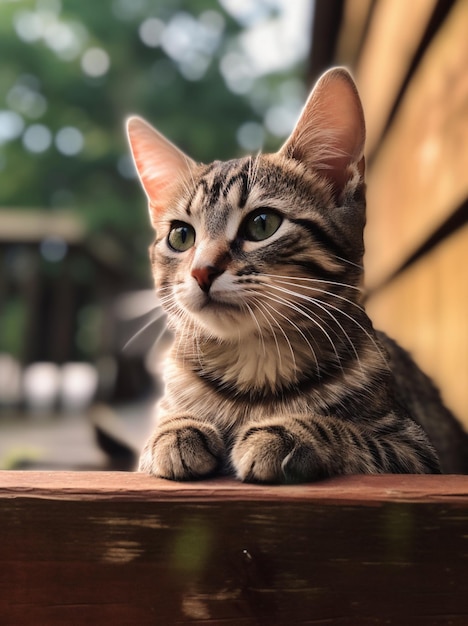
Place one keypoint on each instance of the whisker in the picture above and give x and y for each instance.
(364, 330)
(161, 315)
(323, 303)
(315, 280)
(188, 182)
(260, 333)
(308, 315)
(325, 291)
(263, 305)
(357, 265)
(321, 306)
(288, 304)
(257, 304)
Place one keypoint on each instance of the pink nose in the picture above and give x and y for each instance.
(205, 276)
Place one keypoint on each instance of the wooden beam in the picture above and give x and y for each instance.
(128, 549)
(353, 31)
(419, 176)
(425, 309)
(134, 487)
(325, 28)
(33, 225)
(394, 35)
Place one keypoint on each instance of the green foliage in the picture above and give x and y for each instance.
(73, 71)
(12, 326)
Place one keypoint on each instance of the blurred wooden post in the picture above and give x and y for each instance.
(124, 548)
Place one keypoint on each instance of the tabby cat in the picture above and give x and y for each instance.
(276, 373)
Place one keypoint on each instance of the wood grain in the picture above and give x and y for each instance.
(129, 486)
(395, 32)
(419, 176)
(352, 31)
(425, 309)
(128, 549)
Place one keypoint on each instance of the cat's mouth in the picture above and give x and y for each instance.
(217, 304)
(221, 317)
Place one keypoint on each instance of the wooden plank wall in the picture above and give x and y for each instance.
(410, 60)
(127, 549)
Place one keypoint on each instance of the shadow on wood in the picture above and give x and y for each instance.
(100, 547)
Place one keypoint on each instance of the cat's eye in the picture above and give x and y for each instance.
(261, 224)
(181, 237)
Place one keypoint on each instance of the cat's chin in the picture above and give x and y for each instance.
(225, 322)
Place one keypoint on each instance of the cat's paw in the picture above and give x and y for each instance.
(271, 453)
(183, 450)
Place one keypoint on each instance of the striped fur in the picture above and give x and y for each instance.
(276, 373)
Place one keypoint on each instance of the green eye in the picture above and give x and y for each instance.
(261, 224)
(181, 237)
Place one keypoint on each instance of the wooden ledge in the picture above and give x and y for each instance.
(126, 549)
(124, 486)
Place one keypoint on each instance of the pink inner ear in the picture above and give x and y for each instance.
(330, 134)
(159, 163)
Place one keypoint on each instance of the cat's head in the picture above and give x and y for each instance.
(241, 244)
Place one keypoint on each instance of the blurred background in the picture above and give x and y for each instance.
(220, 78)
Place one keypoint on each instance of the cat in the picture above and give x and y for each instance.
(276, 374)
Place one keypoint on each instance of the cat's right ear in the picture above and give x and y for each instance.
(329, 136)
(159, 163)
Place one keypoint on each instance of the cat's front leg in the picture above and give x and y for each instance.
(183, 448)
(305, 448)
(279, 450)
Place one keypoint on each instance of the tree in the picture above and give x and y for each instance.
(72, 72)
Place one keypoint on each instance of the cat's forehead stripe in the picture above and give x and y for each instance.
(215, 191)
(232, 181)
(221, 179)
(200, 191)
(240, 179)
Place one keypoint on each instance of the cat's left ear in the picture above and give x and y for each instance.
(330, 134)
(159, 163)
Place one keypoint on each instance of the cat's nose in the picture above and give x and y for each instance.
(205, 276)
